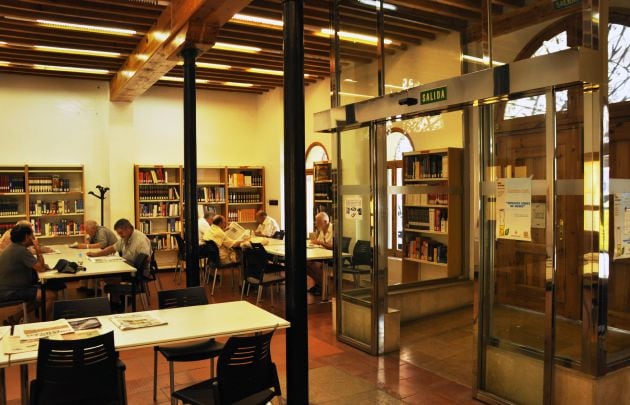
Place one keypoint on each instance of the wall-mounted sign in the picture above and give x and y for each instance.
(538, 215)
(514, 209)
(433, 95)
(558, 4)
(353, 207)
(622, 226)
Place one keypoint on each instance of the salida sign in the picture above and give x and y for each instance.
(433, 95)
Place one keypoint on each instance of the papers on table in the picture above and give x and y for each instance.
(52, 251)
(235, 232)
(45, 329)
(136, 321)
(87, 323)
(15, 345)
(106, 259)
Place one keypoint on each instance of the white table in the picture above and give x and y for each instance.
(183, 324)
(4, 362)
(92, 270)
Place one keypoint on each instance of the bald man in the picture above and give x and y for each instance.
(267, 226)
(97, 236)
(226, 245)
(324, 238)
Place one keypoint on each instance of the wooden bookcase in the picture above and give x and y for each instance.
(52, 198)
(323, 189)
(432, 216)
(245, 193)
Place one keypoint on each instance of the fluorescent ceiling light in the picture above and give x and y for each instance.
(2, 43)
(76, 51)
(353, 37)
(481, 61)
(219, 66)
(160, 35)
(343, 93)
(181, 79)
(71, 69)
(79, 27)
(350, 81)
(377, 4)
(236, 48)
(237, 84)
(266, 71)
(255, 20)
(393, 86)
(4, 63)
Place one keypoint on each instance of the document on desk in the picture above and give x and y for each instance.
(136, 321)
(15, 345)
(106, 259)
(45, 329)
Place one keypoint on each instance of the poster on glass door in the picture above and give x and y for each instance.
(514, 209)
(622, 226)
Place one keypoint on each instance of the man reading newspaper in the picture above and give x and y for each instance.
(226, 238)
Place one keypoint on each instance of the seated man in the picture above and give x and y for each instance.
(131, 244)
(18, 266)
(204, 224)
(97, 236)
(225, 244)
(324, 238)
(267, 226)
(5, 240)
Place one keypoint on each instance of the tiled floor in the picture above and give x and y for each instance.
(423, 372)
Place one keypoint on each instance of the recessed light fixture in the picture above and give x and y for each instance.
(255, 20)
(481, 61)
(76, 27)
(377, 4)
(181, 79)
(71, 69)
(352, 36)
(237, 84)
(75, 51)
(236, 48)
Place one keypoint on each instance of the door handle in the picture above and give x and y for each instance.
(561, 229)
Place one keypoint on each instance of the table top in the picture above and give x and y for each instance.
(93, 269)
(4, 358)
(184, 324)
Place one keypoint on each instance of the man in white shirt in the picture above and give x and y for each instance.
(204, 225)
(323, 238)
(267, 226)
(226, 245)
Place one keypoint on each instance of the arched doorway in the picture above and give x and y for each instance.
(316, 152)
(398, 142)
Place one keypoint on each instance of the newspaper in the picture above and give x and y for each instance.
(80, 334)
(236, 232)
(136, 321)
(45, 329)
(15, 345)
(106, 259)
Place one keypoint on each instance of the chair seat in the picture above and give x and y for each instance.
(201, 394)
(268, 278)
(191, 352)
(228, 265)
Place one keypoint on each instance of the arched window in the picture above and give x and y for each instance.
(397, 143)
(316, 152)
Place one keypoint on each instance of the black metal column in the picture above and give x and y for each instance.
(191, 232)
(295, 202)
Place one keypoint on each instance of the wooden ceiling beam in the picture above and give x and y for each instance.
(511, 3)
(32, 32)
(471, 5)
(16, 37)
(436, 8)
(182, 22)
(84, 7)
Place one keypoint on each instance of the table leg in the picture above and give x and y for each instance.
(3, 388)
(43, 303)
(133, 296)
(325, 280)
(24, 383)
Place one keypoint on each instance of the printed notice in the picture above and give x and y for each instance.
(353, 207)
(538, 215)
(514, 209)
(622, 226)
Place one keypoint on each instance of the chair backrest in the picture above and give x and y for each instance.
(181, 246)
(245, 368)
(255, 261)
(345, 244)
(142, 263)
(183, 297)
(362, 253)
(81, 308)
(212, 252)
(76, 371)
(278, 235)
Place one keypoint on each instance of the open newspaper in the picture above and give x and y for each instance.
(45, 329)
(236, 232)
(136, 321)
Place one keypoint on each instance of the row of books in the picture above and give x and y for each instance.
(322, 172)
(159, 210)
(211, 194)
(242, 215)
(245, 179)
(425, 199)
(172, 225)
(322, 192)
(48, 184)
(427, 219)
(159, 193)
(63, 227)
(6, 227)
(11, 184)
(426, 166)
(56, 207)
(165, 242)
(153, 176)
(426, 249)
(243, 197)
(8, 208)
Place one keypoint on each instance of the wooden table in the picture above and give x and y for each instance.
(93, 270)
(183, 324)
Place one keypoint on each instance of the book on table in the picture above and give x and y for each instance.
(136, 321)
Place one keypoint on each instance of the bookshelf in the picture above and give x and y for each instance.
(50, 197)
(323, 191)
(432, 215)
(211, 189)
(245, 192)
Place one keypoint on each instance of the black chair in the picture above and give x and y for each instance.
(213, 264)
(204, 350)
(361, 261)
(181, 257)
(256, 263)
(278, 235)
(143, 266)
(345, 248)
(246, 375)
(80, 371)
(24, 304)
(81, 308)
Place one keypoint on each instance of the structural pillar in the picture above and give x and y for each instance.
(191, 228)
(295, 202)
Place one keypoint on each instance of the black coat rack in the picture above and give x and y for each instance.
(101, 191)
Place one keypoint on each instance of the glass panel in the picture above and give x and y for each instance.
(515, 257)
(310, 218)
(390, 214)
(399, 217)
(355, 270)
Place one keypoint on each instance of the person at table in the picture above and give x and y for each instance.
(324, 238)
(5, 240)
(131, 244)
(19, 267)
(97, 236)
(267, 226)
(204, 224)
(226, 245)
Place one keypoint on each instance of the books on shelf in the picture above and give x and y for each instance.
(427, 249)
(48, 184)
(155, 175)
(244, 197)
(245, 179)
(427, 199)
(426, 166)
(64, 227)
(242, 215)
(11, 184)
(40, 207)
(427, 219)
(8, 208)
(322, 172)
(136, 321)
(159, 209)
(159, 193)
(211, 194)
